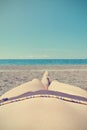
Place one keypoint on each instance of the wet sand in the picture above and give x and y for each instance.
(12, 76)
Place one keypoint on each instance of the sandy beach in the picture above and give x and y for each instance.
(12, 76)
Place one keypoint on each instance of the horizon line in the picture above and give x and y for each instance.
(42, 58)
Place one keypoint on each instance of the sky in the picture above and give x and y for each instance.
(43, 29)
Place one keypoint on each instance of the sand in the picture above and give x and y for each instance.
(12, 76)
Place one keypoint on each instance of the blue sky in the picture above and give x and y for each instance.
(43, 29)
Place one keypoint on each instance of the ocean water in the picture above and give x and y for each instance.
(43, 61)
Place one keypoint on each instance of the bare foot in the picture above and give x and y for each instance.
(45, 80)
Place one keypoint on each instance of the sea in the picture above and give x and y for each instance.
(20, 62)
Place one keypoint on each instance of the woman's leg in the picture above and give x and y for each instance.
(66, 88)
(33, 85)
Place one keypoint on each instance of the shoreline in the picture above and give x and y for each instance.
(12, 76)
